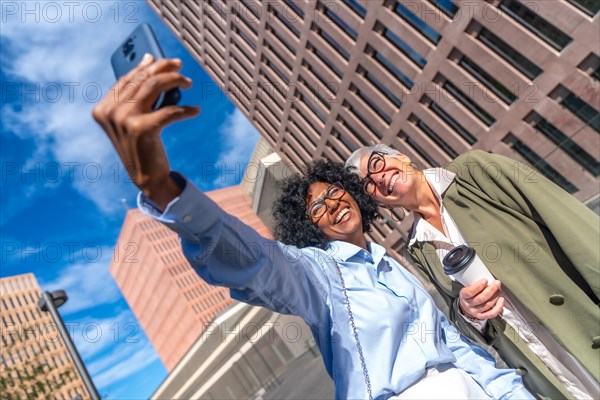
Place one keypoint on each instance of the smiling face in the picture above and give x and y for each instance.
(391, 179)
(341, 219)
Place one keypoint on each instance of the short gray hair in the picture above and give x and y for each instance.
(353, 162)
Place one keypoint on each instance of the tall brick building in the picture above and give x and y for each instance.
(433, 78)
(32, 348)
(173, 305)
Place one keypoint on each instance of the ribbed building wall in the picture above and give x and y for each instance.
(31, 341)
(434, 78)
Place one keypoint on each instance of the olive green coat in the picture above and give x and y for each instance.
(541, 243)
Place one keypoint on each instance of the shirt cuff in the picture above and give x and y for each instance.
(151, 208)
(191, 214)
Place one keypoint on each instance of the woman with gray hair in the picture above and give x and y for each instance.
(537, 239)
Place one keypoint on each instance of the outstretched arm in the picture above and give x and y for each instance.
(222, 249)
(226, 252)
(127, 117)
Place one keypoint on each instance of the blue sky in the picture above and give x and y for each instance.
(62, 183)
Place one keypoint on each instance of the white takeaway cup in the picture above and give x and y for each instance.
(463, 265)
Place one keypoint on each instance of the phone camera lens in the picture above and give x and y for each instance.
(132, 57)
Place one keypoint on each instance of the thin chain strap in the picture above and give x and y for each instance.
(360, 352)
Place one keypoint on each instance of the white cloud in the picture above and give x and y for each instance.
(130, 363)
(88, 283)
(239, 139)
(57, 59)
(113, 348)
(94, 337)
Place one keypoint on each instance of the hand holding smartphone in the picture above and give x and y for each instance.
(129, 54)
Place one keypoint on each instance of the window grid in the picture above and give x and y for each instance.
(540, 164)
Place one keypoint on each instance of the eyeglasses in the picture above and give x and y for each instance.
(375, 164)
(317, 208)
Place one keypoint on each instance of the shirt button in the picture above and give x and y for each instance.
(521, 371)
(557, 299)
(187, 218)
(596, 342)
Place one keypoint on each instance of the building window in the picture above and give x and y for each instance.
(391, 67)
(270, 99)
(509, 54)
(536, 24)
(244, 53)
(325, 60)
(291, 4)
(423, 127)
(281, 39)
(488, 81)
(310, 103)
(243, 35)
(452, 123)
(303, 118)
(384, 89)
(479, 112)
(285, 21)
(596, 73)
(565, 143)
(401, 45)
(340, 23)
(254, 8)
(376, 108)
(356, 7)
(248, 24)
(538, 163)
(354, 133)
(581, 109)
(446, 6)
(362, 119)
(315, 89)
(279, 57)
(330, 86)
(332, 42)
(218, 7)
(277, 70)
(421, 26)
(279, 88)
(590, 7)
(422, 153)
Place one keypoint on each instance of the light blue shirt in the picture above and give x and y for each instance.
(400, 329)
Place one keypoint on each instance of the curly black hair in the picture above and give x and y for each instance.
(293, 226)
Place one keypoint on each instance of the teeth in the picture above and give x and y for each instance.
(341, 215)
(392, 183)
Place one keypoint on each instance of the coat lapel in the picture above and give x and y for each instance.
(473, 230)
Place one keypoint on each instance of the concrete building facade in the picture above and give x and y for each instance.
(32, 348)
(173, 305)
(245, 355)
(433, 78)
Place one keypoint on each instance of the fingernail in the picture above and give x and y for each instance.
(177, 60)
(147, 58)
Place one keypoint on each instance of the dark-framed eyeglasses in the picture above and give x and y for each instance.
(375, 164)
(317, 208)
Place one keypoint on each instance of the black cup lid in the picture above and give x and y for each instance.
(458, 259)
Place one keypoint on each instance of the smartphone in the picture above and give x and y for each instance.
(129, 54)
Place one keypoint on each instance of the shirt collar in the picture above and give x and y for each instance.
(439, 179)
(346, 251)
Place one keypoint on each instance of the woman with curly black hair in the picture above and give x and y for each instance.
(289, 210)
(378, 330)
